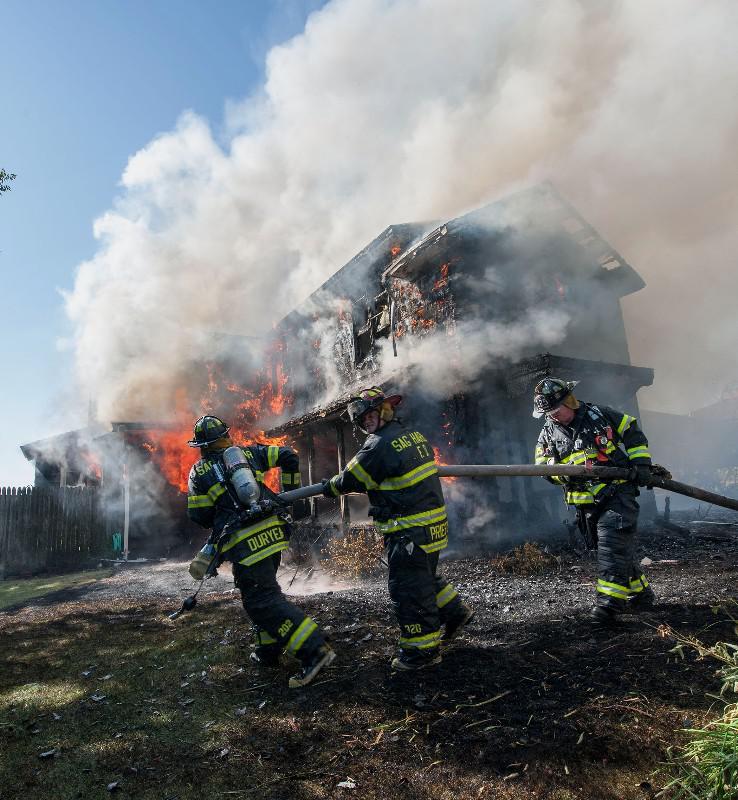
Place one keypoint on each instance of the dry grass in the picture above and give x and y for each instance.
(356, 555)
(528, 559)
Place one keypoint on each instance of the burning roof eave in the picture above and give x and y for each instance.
(614, 271)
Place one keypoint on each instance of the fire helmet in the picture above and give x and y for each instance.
(207, 430)
(368, 399)
(550, 393)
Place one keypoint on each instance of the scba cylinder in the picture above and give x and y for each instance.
(240, 476)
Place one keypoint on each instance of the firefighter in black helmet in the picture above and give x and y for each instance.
(578, 433)
(397, 470)
(227, 493)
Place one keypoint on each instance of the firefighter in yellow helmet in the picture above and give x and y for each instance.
(577, 433)
(227, 493)
(397, 470)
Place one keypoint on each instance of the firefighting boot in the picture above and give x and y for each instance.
(322, 657)
(604, 614)
(408, 661)
(454, 624)
(266, 657)
(645, 600)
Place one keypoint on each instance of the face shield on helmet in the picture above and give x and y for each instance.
(207, 430)
(549, 394)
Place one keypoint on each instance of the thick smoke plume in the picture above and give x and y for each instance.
(383, 112)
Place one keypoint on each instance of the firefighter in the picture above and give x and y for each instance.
(227, 493)
(396, 468)
(579, 433)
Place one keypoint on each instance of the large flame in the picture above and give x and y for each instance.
(246, 410)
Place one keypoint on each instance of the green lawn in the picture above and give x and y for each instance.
(15, 592)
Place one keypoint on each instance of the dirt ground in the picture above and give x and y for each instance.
(531, 702)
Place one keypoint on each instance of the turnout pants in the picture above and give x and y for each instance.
(421, 599)
(618, 576)
(278, 624)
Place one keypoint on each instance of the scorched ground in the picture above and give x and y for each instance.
(531, 702)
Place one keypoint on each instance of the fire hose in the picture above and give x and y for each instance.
(546, 470)
(593, 472)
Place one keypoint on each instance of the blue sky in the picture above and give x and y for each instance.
(83, 86)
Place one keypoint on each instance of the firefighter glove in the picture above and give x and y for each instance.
(327, 490)
(642, 474)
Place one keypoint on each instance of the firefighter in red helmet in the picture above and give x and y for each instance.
(396, 469)
(227, 493)
(578, 433)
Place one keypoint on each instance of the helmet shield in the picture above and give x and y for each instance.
(207, 430)
(549, 394)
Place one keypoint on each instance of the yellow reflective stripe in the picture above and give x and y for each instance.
(409, 478)
(244, 533)
(577, 498)
(361, 474)
(610, 448)
(272, 455)
(299, 637)
(638, 452)
(262, 554)
(421, 642)
(541, 460)
(446, 595)
(413, 520)
(567, 459)
(598, 488)
(199, 501)
(292, 477)
(625, 422)
(431, 548)
(638, 584)
(613, 589)
(332, 485)
(262, 637)
(259, 475)
(216, 491)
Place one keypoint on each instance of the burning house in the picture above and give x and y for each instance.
(464, 317)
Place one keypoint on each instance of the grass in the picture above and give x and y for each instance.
(528, 559)
(16, 592)
(706, 767)
(100, 693)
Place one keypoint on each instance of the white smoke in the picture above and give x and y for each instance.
(383, 112)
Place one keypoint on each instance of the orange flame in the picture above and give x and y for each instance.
(248, 411)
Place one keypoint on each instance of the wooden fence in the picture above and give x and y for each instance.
(50, 529)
